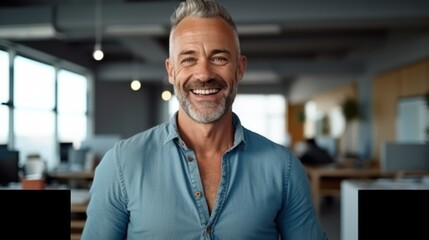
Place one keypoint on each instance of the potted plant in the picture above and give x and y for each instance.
(351, 112)
(301, 116)
(350, 109)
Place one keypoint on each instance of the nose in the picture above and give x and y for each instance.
(203, 70)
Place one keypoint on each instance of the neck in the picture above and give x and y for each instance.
(217, 136)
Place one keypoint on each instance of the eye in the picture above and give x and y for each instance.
(219, 60)
(188, 61)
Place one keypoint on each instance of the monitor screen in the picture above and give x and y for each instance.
(404, 157)
(64, 151)
(9, 167)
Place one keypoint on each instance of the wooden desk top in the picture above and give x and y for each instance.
(343, 171)
(318, 175)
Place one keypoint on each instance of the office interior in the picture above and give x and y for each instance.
(318, 52)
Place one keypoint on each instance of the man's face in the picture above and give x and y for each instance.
(205, 67)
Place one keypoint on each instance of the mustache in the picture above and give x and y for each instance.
(212, 83)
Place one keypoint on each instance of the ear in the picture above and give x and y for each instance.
(170, 70)
(242, 64)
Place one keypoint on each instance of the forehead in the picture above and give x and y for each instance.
(195, 29)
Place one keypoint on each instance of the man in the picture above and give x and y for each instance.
(201, 175)
(315, 155)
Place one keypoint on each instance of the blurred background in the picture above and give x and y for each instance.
(306, 58)
(353, 74)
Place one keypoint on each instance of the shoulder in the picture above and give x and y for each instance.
(137, 147)
(149, 138)
(273, 154)
(261, 143)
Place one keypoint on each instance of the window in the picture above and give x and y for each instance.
(72, 107)
(412, 119)
(4, 97)
(42, 105)
(34, 100)
(50, 107)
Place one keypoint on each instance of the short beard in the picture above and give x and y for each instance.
(211, 111)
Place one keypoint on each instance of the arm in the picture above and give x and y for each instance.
(298, 218)
(107, 215)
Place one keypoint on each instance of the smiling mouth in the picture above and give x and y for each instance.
(205, 91)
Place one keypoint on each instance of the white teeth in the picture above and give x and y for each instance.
(204, 91)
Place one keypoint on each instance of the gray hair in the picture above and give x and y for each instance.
(201, 8)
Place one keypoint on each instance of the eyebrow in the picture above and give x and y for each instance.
(224, 51)
(187, 52)
(213, 52)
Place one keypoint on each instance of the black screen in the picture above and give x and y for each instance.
(393, 214)
(35, 214)
(64, 151)
(9, 167)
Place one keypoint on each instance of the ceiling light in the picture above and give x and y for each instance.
(135, 85)
(166, 95)
(98, 52)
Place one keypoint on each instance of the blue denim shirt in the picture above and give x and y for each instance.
(149, 187)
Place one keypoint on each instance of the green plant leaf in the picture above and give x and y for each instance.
(350, 109)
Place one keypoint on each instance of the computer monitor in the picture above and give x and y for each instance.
(9, 167)
(64, 151)
(404, 157)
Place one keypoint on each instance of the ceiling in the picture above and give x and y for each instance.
(283, 40)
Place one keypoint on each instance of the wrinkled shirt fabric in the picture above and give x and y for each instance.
(149, 187)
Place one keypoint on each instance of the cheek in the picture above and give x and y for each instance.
(179, 76)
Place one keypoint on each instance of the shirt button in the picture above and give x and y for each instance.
(197, 194)
(208, 229)
(190, 159)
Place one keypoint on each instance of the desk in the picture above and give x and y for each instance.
(74, 179)
(326, 180)
(89, 175)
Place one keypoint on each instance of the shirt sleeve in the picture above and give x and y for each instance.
(107, 215)
(298, 218)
